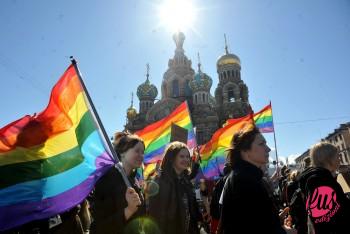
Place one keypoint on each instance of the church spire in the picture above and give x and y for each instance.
(226, 47)
(147, 74)
(132, 99)
(199, 63)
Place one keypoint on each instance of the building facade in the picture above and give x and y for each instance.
(182, 83)
(340, 137)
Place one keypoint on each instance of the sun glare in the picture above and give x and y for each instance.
(177, 15)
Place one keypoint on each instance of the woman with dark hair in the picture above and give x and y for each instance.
(247, 206)
(115, 204)
(174, 207)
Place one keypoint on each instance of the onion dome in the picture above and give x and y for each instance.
(147, 90)
(228, 58)
(131, 112)
(201, 81)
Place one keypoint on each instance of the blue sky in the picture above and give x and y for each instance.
(294, 53)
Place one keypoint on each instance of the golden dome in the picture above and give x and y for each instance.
(228, 59)
(131, 112)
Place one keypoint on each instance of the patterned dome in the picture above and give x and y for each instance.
(228, 59)
(201, 82)
(147, 90)
(131, 112)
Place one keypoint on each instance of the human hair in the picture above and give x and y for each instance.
(293, 175)
(123, 141)
(322, 154)
(241, 141)
(307, 162)
(170, 154)
(227, 169)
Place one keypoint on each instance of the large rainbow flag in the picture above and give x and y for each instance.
(213, 152)
(263, 119)
(157, 135)
(50, 162)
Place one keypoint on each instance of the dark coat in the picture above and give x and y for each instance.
(327, 215)
(215, 208)
(168, 207)
(247, 206)
(109, 203)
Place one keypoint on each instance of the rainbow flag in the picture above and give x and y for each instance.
(263, 119)
(50, 162)
(213, 152)
(157, 135)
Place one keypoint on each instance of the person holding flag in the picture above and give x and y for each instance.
(115, 203)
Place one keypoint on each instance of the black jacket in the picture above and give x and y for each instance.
(215, 208)
(174, 207)
(109, 203)
(247, 206)
(326, 203)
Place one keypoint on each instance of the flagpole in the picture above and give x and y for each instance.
(274, 136)
(100, 126)
(195, 132)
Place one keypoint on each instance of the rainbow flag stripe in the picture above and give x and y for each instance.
(213, 152)
(263, 119)
(50, 162)
(157, 135)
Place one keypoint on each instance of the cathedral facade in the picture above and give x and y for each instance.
(181, 82)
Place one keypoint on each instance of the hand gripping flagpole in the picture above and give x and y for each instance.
(101, 129)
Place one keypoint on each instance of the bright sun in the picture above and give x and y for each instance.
(177, 15)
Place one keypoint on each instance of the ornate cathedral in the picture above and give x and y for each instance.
(181, 82)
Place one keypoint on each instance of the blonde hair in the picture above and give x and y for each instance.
(322, 154)
(293, 175)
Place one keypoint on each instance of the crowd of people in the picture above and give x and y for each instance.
(245, 199)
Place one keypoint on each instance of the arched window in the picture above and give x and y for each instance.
(175, 88)
(230, 94)
(203, 95)
(188, 92)
(195, 99)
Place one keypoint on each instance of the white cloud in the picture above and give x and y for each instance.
(283, 159)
